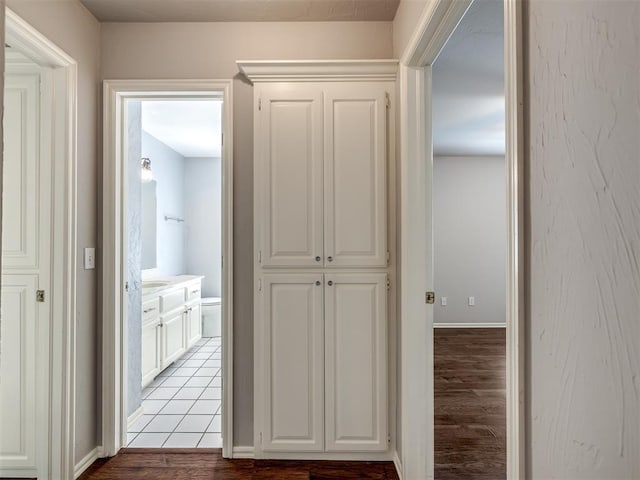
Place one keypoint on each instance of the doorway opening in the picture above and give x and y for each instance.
(170, 287)
(174, 276)
(470, 247)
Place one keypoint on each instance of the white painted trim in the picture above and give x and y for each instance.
(514, 155)
(436, 25)
(243, 452)
(318, 70)
(87, 461)
(398, 464)
(59, 460)
(134, 417)
(114, 422)
(469, 325)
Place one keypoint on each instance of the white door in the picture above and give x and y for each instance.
(26, 241)
(293, 362)
(355, 177)
(289, 175)
(356, 362)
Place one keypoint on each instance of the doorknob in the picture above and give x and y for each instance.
(330, 283)
(317, 282)
(330, 259)
(318, 259)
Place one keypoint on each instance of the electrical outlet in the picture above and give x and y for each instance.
(89, 258)
(443, 301)
(472, 301)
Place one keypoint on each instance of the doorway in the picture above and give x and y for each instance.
(435, 27)
(38, 257)
(170, 287)
(470, 247)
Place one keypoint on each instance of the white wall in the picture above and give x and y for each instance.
(404, 24)
(168, 170)
(470, 233)
(72, 28)
(203, 207)
(583, 257)
(200, 50)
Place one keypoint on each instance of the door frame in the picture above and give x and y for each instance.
(114, 252)
(437, 23)
(58, 461)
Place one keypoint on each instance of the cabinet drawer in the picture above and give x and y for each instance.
(172, 300)
(194, 291)
(150, 309)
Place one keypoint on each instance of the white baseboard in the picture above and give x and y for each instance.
(243, 452)
(87, 461)
(133, 418)
(397, 464)
(469, 325)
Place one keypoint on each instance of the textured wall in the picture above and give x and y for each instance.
(583, 125)
(203, 213)
(200, 50)
(134, 254)
(470, 232)
(72, 28)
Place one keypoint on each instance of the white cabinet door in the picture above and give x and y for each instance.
(174, 339)
(356, 362)
(151, 346)
(355, 175)
(289, 175)
(293, 362)
(194, 324)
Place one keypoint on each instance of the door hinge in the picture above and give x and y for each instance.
(388, 284)
(260, 438)
(389, 439)
(222, 139)
(260, 109)
(126, 286)
(259, 284)
(387, 101)
(259, 256)
(429, 297)
(388, 257)
(40, 296)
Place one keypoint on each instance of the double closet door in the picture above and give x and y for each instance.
(322, 266)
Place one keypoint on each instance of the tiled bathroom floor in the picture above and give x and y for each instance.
(182, 406)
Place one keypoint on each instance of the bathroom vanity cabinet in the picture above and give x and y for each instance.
(171, 322)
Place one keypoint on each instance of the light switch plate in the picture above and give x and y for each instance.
(443, 301)
(472, 301)
(89, 258)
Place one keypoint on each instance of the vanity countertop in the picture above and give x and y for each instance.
(155, 285)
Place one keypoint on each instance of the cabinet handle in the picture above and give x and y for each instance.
(318, 259)
(330, 259)
(149, 310)
(195, 291)
(318, 282)
(330, 283)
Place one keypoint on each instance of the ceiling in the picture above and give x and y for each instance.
(241, 10)
(468, 85)
(190, 127)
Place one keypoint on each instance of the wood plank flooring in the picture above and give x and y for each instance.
(470, 403)
(202, 464)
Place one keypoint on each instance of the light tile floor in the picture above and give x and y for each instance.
(182, 406)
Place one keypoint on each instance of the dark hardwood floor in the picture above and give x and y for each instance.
(190, 464)
(470, 403)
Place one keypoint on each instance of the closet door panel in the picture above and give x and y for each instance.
(293, 362)
(290, 170)
(356, 362)
(355, 176)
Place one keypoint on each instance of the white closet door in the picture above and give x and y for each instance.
(289, 175)
(355, 175)
(293, 363)
(26, 242)
(356, 362)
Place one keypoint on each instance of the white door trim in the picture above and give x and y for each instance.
(114, 419)
(58, 462)
(434, 28)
